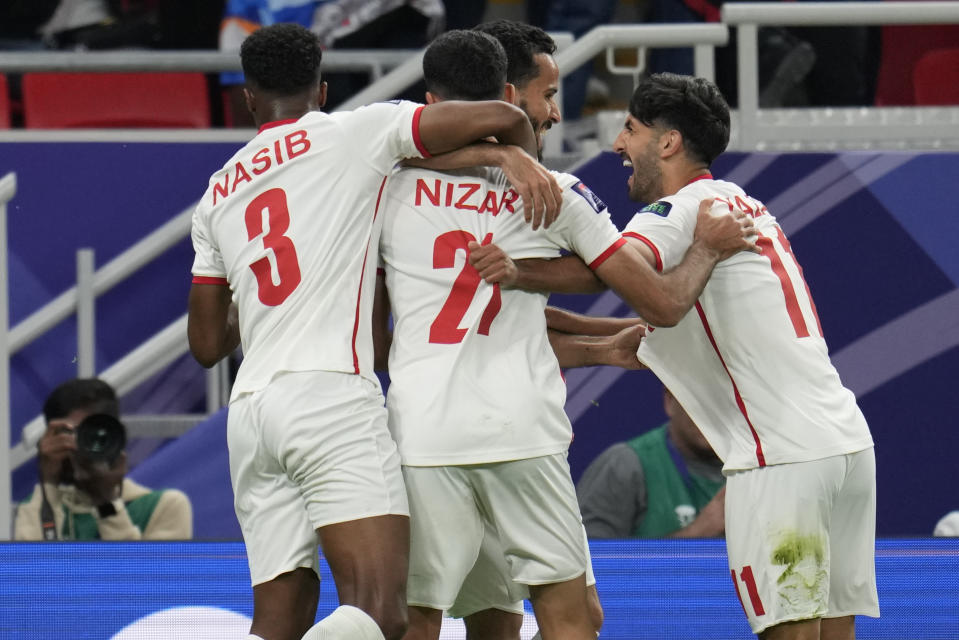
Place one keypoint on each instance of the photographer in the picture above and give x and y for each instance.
(83, 494)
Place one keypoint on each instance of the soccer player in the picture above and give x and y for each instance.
(476, 396)
(288, 230)
(751, 367)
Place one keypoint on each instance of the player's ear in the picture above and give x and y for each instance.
(511, 94)
(321, 99)
(249, 99)
(431, 98)
(671, 142)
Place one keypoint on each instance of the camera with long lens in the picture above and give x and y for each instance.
(100, 439)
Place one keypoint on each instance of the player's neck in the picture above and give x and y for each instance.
(292, 108)
(675, 180)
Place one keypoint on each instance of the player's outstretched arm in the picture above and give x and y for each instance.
(452, 124)
(617, 350)
(531, 180)
(213, 328)
(567, 321)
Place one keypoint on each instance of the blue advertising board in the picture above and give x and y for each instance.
(662, 589)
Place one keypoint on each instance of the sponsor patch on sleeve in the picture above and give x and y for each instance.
(660, 208)
(590, 197)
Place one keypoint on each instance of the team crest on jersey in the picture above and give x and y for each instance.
(660, 208)
(590, 197)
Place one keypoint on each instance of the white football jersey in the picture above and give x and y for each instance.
(290, 222)
(748, 362)
(473, 377)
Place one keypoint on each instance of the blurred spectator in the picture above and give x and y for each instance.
(667, 482)
(948, 525)
(83, 493)
(340, 24)
(808, 66)
(102, 24)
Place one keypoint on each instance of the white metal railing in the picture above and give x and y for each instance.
(755, 131)
(137, 366)
(373, 61)
(704, 38)
(8, 189)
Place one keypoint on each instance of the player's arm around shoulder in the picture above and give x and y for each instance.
(663, 299)
(451, 124)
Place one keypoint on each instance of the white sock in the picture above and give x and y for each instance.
(253, 637)
(345, 623)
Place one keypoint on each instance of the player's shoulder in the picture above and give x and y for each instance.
(375, 110)
(578, 192)
(687, 199)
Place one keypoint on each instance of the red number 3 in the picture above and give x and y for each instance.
(287, 266)
(445, 328)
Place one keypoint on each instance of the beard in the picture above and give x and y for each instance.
(647, 179)
(538, 130)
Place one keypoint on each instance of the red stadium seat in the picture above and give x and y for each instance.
(902, 46)
(935, 78)
(111, 100)
(4, 103)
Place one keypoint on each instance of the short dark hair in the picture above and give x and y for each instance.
(522, 43)
(692, 106)
(465, 65)
(91, 394)
(283, 58)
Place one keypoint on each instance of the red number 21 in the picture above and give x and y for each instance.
(274, 203)
(445, 328)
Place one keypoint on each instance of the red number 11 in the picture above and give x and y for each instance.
(746, 575)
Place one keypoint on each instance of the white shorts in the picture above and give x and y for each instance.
(801, 539)
(489, 585)
(310, 449)
(530, 506)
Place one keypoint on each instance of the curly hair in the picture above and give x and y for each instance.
(522, 43)
(692, 106)
(465, 65)
(283, 58)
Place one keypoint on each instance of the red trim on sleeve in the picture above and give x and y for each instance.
(275, 123)
(648, 243)
(209, 280)
(760, 457)
(416, 133)
(604, 255)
